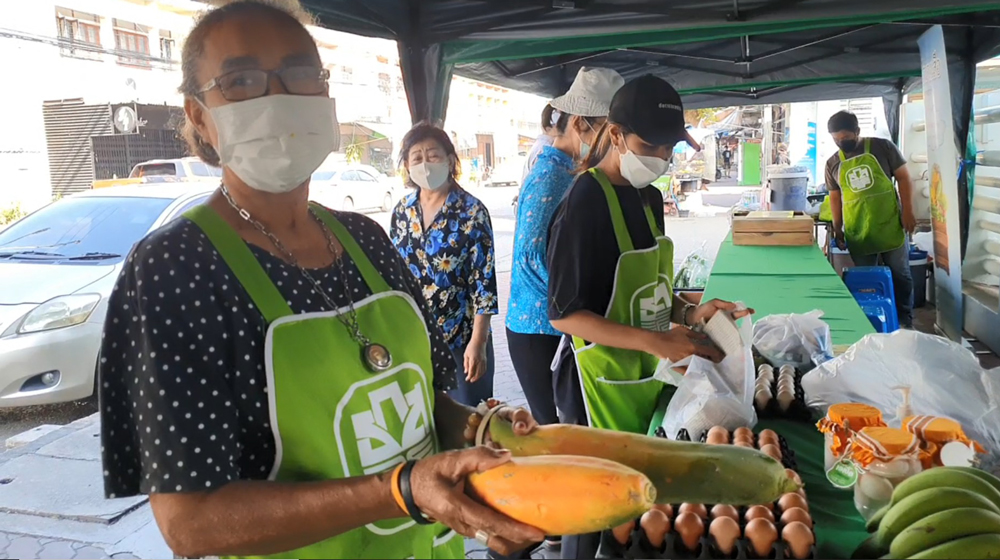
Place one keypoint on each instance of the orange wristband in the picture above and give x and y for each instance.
(396, 494)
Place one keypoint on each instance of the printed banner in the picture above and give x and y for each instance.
(942, 163)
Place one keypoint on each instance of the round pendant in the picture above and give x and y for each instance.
(377, 357)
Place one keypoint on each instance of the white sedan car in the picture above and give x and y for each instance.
(57, 269)
(354, 187)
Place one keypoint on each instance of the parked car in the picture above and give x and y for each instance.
(507, 173)
(58, 266)
(354, 187)
(165, 171)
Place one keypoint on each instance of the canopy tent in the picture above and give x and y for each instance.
(715, 52)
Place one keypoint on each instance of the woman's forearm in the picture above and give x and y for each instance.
(253, 518)
(599, 330)
(481, 328)
(451, 418)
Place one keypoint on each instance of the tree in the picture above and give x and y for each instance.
(354, 152)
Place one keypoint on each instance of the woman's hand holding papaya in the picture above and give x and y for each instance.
(438, 485)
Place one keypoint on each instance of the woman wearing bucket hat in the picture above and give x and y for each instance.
(531, 339)
(610, 269)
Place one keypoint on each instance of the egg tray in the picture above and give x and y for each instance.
(638, 546)
(797, 409)
(787, 453)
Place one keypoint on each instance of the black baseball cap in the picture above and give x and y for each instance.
(651, 108)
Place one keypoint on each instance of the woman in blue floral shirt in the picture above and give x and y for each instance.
(445, 236)
(531, 338)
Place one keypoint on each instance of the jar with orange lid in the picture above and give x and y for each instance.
(934, 432)
(884, 457)
(840, 421)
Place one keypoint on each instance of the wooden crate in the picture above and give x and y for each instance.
(773, 228)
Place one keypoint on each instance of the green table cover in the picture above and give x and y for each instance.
(776, 280)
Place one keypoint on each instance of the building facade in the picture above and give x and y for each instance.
(128, 51)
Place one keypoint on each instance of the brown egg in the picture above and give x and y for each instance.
(794, 476)
(665, 508)
(623, 532)
(771, 450)
(799, 538)
(717, 436)
(767, 436)
(656, 525)
(793, 500)
(796, 514)
(698, 509)
(725, 510)
(762, 535)
(747, 444)
(725, 531)
(690, 528)
(743, 433)
(758, 512)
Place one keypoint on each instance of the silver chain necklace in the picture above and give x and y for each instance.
(376, 356)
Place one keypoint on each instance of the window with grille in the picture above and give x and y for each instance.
(79, 34)
(167, 45)
(133, 48)
(166, 48)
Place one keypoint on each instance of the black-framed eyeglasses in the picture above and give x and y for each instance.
(241, 85)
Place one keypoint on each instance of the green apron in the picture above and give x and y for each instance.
(619, 389)
(333, 418)
(872, 220)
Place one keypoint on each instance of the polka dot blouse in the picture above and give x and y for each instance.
(182, 387)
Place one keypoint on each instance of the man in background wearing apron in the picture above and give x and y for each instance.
(869, 217)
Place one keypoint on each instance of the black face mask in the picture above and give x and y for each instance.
(848, 145)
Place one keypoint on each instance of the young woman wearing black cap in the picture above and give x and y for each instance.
(610, 274)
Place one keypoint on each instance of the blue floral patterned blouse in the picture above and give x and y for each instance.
(540, 195)
(453, 260)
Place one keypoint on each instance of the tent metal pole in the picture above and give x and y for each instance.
(811, 43)
(562, 63)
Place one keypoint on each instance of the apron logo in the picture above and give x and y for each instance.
(654, 311)
(378, 448)
(860, 178)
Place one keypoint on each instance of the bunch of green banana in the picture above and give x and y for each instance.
(945, 512)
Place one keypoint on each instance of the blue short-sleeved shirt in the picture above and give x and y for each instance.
(540, 195)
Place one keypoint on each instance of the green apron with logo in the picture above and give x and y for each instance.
(619, 390)
(331, 416)
(872, 220)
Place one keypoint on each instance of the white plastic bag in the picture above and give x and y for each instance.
(799, 340)
(944, 378)
(710, 394)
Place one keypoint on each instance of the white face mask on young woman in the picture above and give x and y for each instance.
(275, 143)
(430, 175)
(641, 171)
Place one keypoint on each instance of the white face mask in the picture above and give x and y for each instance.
(641, 171)
(275, 143)
(430, 175)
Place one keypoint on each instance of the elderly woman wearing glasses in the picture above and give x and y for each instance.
(445, 236)
(270, 374)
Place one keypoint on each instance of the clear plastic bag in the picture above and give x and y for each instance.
(944, 379)
(710, 394)
(799, 340)
(694, 271)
